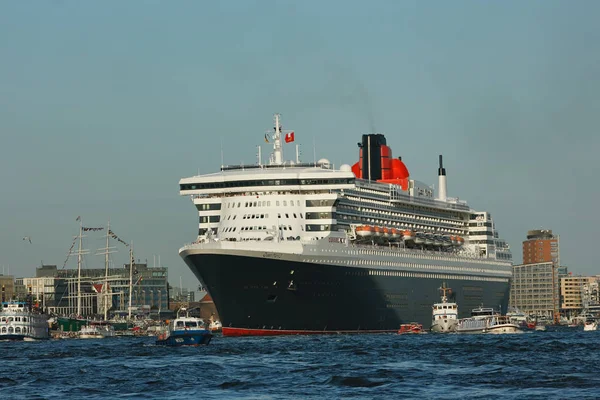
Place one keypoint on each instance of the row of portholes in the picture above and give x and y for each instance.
(16, 330)
(9, 319)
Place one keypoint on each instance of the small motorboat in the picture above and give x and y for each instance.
(590, 326)
(413, 327)
(185, 331)
(215, 326)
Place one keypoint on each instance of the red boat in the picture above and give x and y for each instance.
(413, 327)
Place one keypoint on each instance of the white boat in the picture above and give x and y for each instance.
(215, 326)
(486, 320)
(445, 314)
(478, 321)
(18, 321)
(501, 324)
(590, 326)
(96, 330)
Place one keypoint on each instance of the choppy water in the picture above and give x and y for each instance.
(531, 365)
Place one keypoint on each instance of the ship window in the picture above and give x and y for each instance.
(287, 215)
(277, 203)
(191, 324)
(4, 330)
(285, 203)
(268, 203)
(10, 329)
(179, 323)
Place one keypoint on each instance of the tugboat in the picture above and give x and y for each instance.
(445, 315)
(185, 331)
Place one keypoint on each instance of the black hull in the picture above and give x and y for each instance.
(263, 293)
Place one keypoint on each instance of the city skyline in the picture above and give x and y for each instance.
(105, 106)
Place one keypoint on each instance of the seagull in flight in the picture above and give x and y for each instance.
(27, 238)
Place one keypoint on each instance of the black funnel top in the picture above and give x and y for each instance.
(441, 170)
(371, 155)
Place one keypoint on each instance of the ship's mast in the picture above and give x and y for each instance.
(106, 251)
(277, 155)
(79, 268)
(104, 287)
(130, 278)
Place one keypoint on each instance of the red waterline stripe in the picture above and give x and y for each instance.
(229, 331)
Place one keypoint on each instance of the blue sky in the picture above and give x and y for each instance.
(105, 105)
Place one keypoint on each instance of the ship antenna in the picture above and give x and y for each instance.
(222, 162)
(277, 155)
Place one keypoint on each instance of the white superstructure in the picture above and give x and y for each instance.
(19, 322)
(316, 213)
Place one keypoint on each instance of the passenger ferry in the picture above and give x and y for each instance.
(287, 247)
(19, 321)
(486, 320)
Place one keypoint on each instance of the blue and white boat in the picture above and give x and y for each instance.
(185, 331)
(18, 321)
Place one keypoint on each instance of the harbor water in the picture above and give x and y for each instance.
(533, 365)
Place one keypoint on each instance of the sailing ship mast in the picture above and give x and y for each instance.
(106, 251)
(79, 253)
(130, 278)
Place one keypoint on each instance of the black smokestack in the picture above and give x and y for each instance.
(441, 170)
(371, 162)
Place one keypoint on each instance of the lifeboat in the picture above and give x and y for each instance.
(437, 240)
(364, 231)
(395, 233)
(429, 239)
(408, 235)
(460, 240)
(420, 238)
(453, 240)
(446, 241)
(378, 231)
(386, 232)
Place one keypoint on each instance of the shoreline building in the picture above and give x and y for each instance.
(7, 287)
(535, 287)
(579, 294)
(56, 289)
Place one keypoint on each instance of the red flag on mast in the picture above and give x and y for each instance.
(289, 137)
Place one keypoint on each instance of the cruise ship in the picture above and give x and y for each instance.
(286, 247)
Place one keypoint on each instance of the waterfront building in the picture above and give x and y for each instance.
(534, 288)
(7, 287)
(57, 289)
(578, 293)
(541, 246)
(20, 289)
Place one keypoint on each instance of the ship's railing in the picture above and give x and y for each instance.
(391, 192)
(375, 250)
(275, 166)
